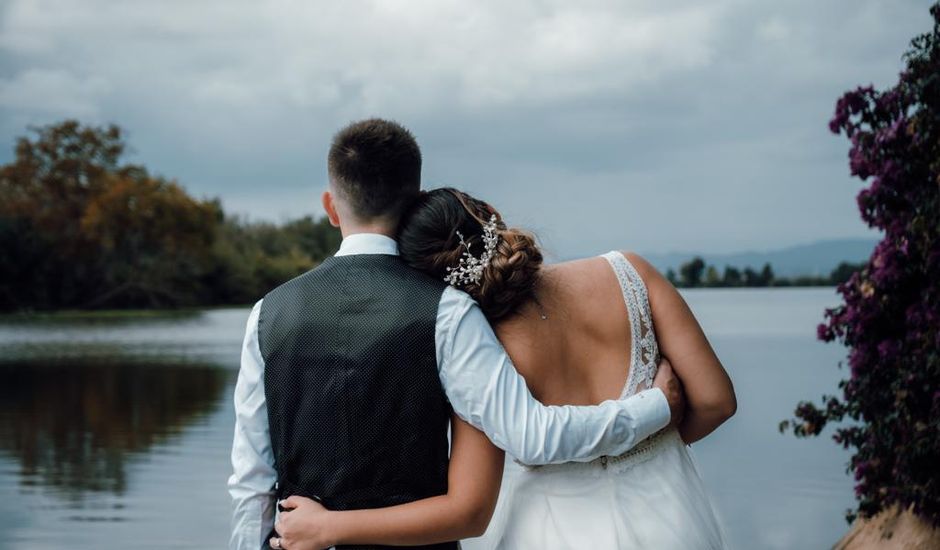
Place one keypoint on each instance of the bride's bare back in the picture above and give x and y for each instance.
(573, 344)
(579, 353)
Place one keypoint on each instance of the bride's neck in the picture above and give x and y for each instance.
(539, 306)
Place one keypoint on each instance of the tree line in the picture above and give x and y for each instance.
(81, 229)
(696, 274)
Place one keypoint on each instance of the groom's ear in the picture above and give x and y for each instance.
(329, 204)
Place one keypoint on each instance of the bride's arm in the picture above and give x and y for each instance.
(474, 476)
(709, 393)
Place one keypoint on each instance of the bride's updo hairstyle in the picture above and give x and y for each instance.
(428, 241)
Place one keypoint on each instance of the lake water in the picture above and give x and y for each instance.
(116, 432)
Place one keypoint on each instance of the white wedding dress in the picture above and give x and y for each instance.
(651, 497)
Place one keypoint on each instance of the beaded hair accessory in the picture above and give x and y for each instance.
(470, 269)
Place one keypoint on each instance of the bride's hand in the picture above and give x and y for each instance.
(304, 524)
(672, 388)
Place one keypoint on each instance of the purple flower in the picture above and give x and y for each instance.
(888, 349)
(890, 316)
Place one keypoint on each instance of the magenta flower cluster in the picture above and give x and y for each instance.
(889, 411)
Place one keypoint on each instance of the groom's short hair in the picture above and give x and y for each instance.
(375, 165)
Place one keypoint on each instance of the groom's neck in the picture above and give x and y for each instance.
(348, 229)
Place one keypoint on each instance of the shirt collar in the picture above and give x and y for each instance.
(367, 243)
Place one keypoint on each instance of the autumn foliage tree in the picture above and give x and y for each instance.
(81, 229)
(152, 241)
(890, 317)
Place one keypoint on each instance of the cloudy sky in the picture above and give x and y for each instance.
(648, 125)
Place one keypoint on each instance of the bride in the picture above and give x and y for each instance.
(615, 313)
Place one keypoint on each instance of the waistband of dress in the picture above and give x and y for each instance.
(641, 452)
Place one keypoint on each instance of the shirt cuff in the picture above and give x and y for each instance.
(651, 411)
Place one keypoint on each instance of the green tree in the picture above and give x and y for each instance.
(751, 277)
(731, 277)
(843, 272)
(766, 275)
(691, 272)
(712, 279)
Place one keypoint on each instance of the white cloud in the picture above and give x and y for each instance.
(382, 55)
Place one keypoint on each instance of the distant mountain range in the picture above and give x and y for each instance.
(818, 258)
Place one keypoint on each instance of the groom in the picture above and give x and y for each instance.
(349, 372)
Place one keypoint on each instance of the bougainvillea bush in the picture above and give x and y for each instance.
(889, 411)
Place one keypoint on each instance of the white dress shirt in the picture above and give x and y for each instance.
(483, 388)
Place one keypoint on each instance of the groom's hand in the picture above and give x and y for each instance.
(671, 386)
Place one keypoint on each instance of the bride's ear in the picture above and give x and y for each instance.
(329, 204)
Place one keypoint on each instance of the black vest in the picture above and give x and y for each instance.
(357, 413)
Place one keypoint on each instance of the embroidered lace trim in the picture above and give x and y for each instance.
(644, 349)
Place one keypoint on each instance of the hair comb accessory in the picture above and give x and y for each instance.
(470, 269)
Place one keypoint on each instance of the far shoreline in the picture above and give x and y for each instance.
(117, 314)
(155, 313)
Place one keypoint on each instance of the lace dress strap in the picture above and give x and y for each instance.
(644, 348)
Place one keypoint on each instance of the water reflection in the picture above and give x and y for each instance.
(118, 431)
(73, 426)
(201, 337)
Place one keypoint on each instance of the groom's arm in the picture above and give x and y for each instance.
(252, 481)
(486, 391)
